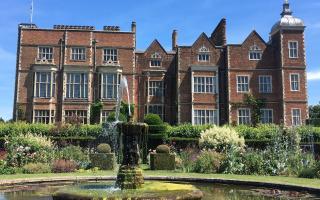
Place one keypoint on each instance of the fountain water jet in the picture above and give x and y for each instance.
(131, 133)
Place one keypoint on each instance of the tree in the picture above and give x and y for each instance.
(314, 115)
(1, 120)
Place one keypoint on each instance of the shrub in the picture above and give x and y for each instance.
(103, 148)
(152, 119)
(112, 117)
(18, 128)
(76, 154)
(208, 162)
(5, 169)
(163, 149)
(36, 168)
(283, 156)
(105, 161)
(232, 163)
(187, 130)
(317, 168)
(260, 132)
(49, 130)
(253, 163)
(71, 130)
(308, 132)
(187, 156)
(308, 173)
(219, 138)
(28, 148)
(62, 166)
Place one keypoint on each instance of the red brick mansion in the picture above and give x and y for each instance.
(60, 72)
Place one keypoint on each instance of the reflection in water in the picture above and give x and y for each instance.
(211, 192)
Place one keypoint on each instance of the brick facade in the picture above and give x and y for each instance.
(197, 83)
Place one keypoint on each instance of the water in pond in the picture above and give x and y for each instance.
(210, 191)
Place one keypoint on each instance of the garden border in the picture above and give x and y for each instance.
(14, 182)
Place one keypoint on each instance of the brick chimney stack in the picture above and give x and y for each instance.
(174, 39)
(133, 27)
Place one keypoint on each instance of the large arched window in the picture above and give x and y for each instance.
(255, 53)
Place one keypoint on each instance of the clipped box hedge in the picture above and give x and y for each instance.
(157, 134)
(162, 161)
(66, 130)
(104, 161)
(187, 130)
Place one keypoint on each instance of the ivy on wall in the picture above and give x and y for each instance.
(95, 111)
(255, 104)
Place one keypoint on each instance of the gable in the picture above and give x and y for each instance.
(155, 47)
(254, 39)
(201, 42)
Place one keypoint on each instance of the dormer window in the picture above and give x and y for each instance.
(255, 53)
(203, 55)
(155, 60)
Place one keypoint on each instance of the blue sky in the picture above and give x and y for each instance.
(156, 19)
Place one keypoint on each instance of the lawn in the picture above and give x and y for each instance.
(314, 183)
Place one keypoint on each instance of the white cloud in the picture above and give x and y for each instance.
(313, 76)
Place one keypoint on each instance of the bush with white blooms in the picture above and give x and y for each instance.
(221, 138)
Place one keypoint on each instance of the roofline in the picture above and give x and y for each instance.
(75, 30)
(294, 28)
(157, 41)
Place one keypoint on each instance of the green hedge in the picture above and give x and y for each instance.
(269, 131)
(11, 129)
(187, 130)
(157, 135)
(157, 129)
(307, 131)
(260, 132)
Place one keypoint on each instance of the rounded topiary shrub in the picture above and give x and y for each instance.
(153, 119)
(103, 148)
(163, 149)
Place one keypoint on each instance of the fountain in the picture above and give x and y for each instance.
(129, 182)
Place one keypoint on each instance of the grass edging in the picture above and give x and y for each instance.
(283, 183)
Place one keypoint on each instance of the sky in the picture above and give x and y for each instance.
(156, 20)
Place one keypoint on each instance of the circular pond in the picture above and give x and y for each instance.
(153, 190)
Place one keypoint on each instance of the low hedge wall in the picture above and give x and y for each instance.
(67, 130)
(157, 129)
(65, 141)
(187, 130)
(157, 135)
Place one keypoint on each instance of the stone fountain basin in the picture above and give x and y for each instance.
(151, 190)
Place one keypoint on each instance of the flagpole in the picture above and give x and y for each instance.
(31, 12)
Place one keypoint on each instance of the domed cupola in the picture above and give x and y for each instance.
(287, 21)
